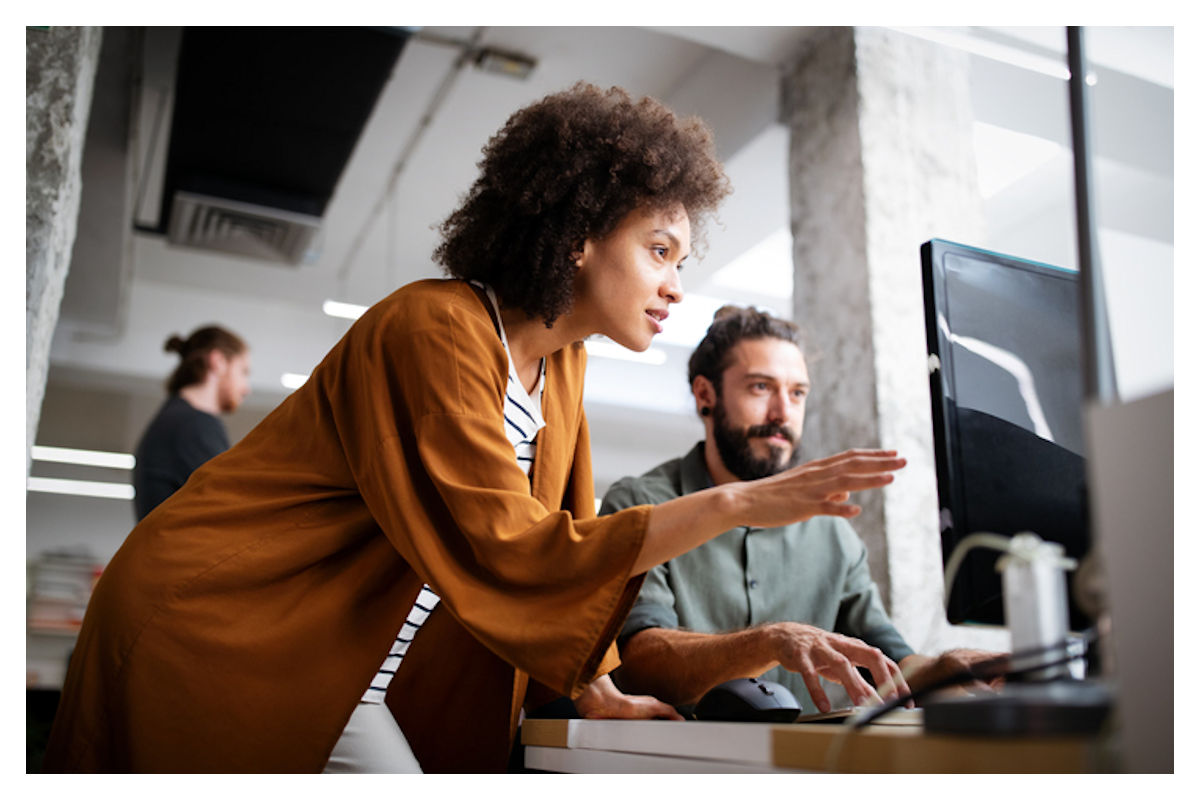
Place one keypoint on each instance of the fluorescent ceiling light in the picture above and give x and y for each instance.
(293, 380)
(766, 268)
(90, 458)
(604, 348)
(346, 310)
(997, 52)
(119, 491)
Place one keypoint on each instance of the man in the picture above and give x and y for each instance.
(212, 378)
(792, 604)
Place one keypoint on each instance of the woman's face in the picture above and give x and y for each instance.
(627, 279)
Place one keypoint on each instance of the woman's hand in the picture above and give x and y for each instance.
(603, 700)
(817, 488)
(820, 487)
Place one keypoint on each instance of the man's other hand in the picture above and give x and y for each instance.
(926, 671)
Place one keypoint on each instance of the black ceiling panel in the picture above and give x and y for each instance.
(270, 116)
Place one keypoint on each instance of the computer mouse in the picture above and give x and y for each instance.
(748, 700)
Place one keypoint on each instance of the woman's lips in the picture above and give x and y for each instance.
(657, 318)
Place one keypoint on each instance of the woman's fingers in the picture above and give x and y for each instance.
(849, 455)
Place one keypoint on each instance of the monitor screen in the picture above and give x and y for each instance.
(1007, 391)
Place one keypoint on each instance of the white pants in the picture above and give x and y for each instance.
(372, 742)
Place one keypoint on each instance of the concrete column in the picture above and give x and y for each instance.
(60, 69)
(881, 160)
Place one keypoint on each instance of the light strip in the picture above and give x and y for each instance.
(90, 458)
(994, 51)
(606, 349)
(346, 310)
(119, 491)
(293, 380)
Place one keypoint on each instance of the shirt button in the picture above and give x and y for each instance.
(753, 584)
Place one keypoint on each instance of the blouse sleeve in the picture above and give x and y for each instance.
(419, 400)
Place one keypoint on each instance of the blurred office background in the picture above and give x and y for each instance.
(345, 212)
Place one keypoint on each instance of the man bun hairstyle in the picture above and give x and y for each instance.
(566, 169)
(193, 354)
(732, 324)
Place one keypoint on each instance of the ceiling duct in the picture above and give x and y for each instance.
(264, 122)
(212, 223)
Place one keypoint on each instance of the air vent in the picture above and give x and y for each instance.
(213, 223)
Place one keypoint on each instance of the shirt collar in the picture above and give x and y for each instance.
(693, 472)
(693, 475)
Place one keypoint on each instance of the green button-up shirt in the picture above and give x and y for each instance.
(814, 572)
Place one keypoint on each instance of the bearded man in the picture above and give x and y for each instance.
(794, 604)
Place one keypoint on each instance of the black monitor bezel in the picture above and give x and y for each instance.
(951, 501)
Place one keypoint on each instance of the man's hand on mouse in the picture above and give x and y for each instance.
(814, 654)
(603, 700)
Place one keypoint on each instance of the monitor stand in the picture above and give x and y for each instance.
(1064, 706)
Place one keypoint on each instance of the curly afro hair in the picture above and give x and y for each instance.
(566, 169)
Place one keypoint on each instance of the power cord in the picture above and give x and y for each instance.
(1023, 545)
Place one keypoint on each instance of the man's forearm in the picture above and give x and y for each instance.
(678, 667)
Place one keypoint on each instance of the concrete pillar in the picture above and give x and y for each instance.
(60, 69)
(881, 160)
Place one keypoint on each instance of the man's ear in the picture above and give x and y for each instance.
(217, 362)
(705, 394)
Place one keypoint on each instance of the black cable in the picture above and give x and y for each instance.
(982, 671)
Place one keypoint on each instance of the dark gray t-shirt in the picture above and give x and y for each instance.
(178, 440)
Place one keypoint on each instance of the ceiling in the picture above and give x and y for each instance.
(432, 106)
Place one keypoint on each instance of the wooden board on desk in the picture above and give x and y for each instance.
(910, 749)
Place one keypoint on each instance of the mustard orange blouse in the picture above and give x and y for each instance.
(240, 622)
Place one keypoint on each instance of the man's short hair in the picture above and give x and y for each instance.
(566, 169)
(732, 324)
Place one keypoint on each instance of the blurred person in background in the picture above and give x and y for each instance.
(212, 379)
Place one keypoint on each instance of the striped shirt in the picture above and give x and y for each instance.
(522, 421)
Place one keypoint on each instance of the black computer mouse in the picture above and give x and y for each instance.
(748, 700)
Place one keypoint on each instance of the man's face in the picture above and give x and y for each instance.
(233, 382)
(758, 415)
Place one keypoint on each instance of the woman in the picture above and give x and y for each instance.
(245, 619)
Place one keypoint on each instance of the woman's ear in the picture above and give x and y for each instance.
(581, 254)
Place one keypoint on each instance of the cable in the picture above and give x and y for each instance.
(467, 51)
(854, 724)
(984, 671)
(1021, 545)
(991, 540)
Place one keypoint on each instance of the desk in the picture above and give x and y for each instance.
(661, 746)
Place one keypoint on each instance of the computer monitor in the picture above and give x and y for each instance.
(1007, 398)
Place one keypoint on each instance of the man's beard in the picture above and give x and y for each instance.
(733, 445)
